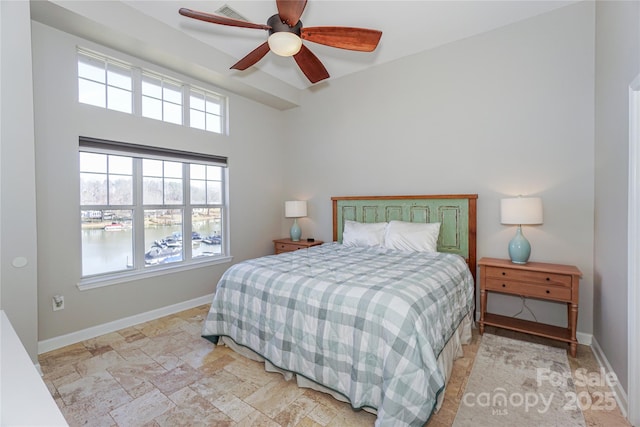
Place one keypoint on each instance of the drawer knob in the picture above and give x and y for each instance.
(504, 285)
(504, 274)
(548, 279)
(548, 291)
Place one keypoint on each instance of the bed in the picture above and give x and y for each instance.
(374, 326)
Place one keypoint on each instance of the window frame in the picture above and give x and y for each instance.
(163, 82)
(138, 208)
(138, 75)
(108, 65)
(206, 94)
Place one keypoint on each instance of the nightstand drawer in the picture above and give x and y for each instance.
(529, 276)
(289, 247)
(529, 290)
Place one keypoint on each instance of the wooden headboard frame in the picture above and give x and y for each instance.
(455, 212)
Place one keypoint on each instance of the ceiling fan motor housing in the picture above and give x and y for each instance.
(278, 25)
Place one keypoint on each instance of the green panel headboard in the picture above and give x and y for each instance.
(455, 212)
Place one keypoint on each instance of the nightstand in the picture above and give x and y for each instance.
(288, 245)
(550, 282)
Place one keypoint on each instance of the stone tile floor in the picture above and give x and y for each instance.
(162, 373)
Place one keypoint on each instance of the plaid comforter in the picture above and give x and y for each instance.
(368, 323)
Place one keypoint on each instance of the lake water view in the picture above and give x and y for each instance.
(106, 251)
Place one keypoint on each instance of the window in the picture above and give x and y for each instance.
(104, 83)
(205, 111)
(142, 208)
(161, 99)
(108, 83)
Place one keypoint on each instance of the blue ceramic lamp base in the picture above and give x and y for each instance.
(519, 248)
(295, 232)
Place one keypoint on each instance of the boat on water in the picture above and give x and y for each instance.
(114, 226)
(212, 240)
(172, 242)
(162, 254)
(195, 236)
(169, 248)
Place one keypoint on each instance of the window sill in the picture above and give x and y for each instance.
(128, 276)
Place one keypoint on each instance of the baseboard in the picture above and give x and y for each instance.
(106, 328)
(619, 393)
(583, 338)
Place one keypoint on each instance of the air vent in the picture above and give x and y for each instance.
(230, 13)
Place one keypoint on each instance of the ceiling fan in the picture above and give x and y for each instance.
(286, 34)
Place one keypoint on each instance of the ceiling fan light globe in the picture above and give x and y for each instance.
(284, 43)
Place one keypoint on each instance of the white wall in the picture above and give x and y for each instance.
(617, 64)
(18, 240)
(504, 113)
(256, 193)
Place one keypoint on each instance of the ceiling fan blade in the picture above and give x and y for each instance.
(222, 20)
(310, 65)
(290, 11)
(361, 39)
(254, 56)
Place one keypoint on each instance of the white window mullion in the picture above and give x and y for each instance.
(106, 85)
(138, 216)
(224, 116)
(186, 116)
(136, 75)
(162, 99)
(187, 214)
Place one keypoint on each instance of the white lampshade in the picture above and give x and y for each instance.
(521, 211)
(284, 43)
(295, 209)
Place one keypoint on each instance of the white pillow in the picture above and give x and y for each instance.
(363, 234)
(412, 236)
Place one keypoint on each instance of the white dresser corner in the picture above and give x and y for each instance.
(24, 397)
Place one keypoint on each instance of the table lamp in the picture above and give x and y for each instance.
(520, 211)
(295, 209)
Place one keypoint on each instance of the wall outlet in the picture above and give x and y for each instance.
(58, 302)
